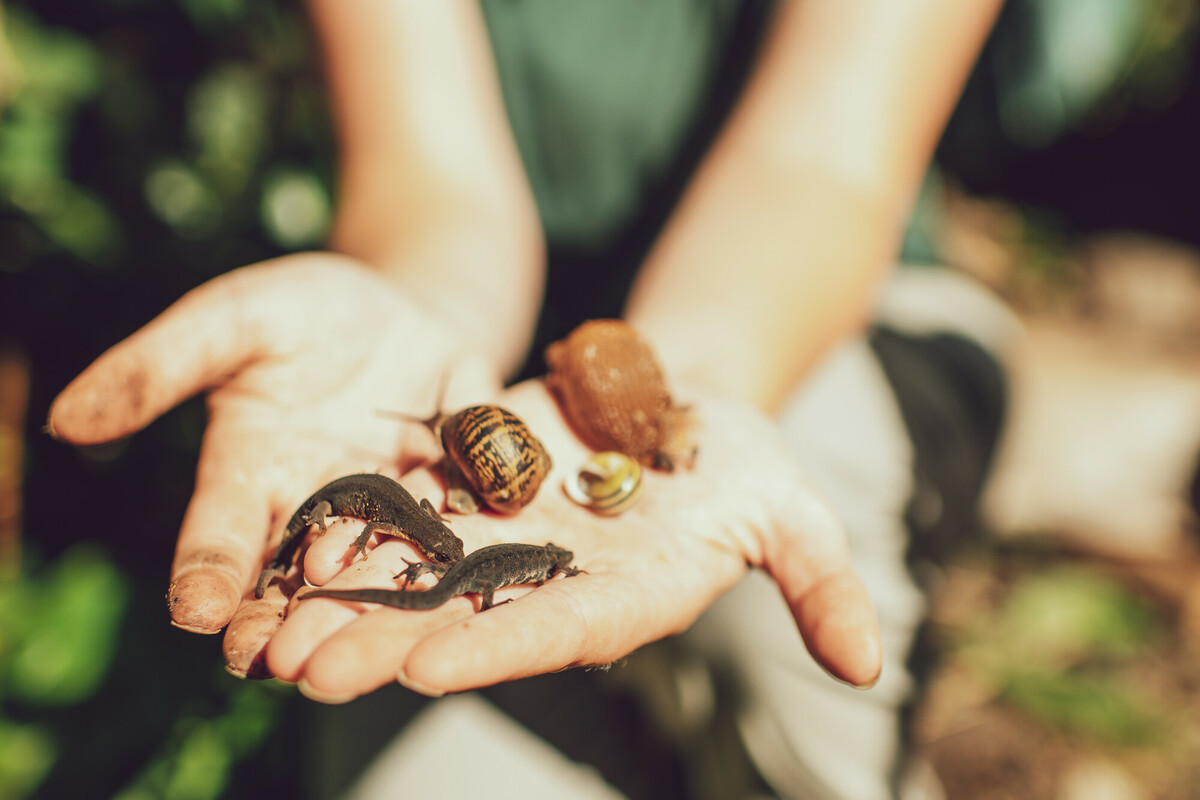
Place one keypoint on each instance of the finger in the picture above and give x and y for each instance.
(837, 621)
(206, 334)
(584, 620)
(539, 633)
(368, 652)
(470, 380)
(332, 551)
(250, 629)
(224, 530)
(309, 623)
(809, 560)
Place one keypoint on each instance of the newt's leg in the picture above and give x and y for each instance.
(433, 512)
(293, 537)
(360, 544)
(418, 568)
(318, 514)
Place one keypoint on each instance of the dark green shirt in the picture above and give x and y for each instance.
(604, 97)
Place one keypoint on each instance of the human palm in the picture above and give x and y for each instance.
(298, 355)
(649, 572)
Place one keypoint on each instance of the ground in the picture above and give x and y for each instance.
(1069, 638)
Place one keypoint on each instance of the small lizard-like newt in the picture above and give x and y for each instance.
(384, 504)
(481, 572)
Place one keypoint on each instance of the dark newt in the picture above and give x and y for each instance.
(387, 508)
(481, 572)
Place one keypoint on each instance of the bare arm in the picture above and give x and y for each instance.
(779, 242)
(432, 189)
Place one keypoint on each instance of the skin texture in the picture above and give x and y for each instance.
(804, 191)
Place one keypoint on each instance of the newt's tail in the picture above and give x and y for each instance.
(396, 598)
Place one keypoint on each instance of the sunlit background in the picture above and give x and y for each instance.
(148, 145)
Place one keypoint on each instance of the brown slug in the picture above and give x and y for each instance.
(613, 391)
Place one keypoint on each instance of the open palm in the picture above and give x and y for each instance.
(298, 355)
(649, 572)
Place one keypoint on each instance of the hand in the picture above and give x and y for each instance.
(298, 354)
(649, 573)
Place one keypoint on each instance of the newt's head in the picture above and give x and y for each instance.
(562, 556)
(447, 548)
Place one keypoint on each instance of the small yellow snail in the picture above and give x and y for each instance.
(608, 483)
(491, 455)
(613, 392)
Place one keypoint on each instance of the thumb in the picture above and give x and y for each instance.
(211, 331)
(810, 561)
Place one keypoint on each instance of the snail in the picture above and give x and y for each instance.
(608, 483)
(491, 455)
(613, 392)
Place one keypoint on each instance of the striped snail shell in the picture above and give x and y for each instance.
(493, 452)
(613, 391)
(608, 483)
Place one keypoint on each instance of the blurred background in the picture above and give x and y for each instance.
(148, 145)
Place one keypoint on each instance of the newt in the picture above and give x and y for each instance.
(481, 572)
(387, 508)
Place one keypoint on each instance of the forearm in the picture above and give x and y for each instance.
(777, 246)
(431, 187)
(758, 274)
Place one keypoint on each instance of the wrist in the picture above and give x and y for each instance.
(758, 274)
(475, 264)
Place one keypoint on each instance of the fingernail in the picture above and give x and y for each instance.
(860, 686)
(66, 406)
(246, 663)
(191, 627)
(328, 698)
(408, 683)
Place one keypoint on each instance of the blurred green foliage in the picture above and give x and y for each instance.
(1062, 616)
(59, 628)
(197, 759)
(1096, 709)
(53, 72)
(1057, 647)
(26, 754)
(1074, 60)
(58, 631)
(229, 141)
(145, 145)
